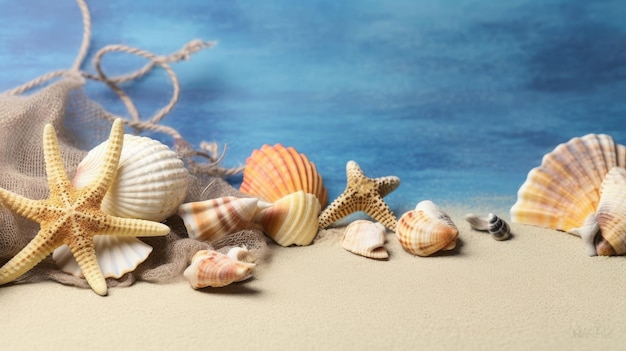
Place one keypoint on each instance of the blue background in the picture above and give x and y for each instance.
(460, 99)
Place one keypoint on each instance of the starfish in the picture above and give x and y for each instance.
(72, 216)
(362, 194)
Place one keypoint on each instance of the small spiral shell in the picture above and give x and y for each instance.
(496, 226)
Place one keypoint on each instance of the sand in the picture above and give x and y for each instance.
(536, 291)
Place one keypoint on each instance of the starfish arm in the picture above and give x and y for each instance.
(387, 184)
(339, 208)
(135, 227)
(85, 255)
(23, 206)
(110, 163)
(55, 170)
(379, 211)
(27, 258)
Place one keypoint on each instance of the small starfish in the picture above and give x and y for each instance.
(362, 194)
(72, 216)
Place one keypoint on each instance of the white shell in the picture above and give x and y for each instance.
(365, 238)
(151, 180)
(116, 255)
(611, 214)
(151, 183)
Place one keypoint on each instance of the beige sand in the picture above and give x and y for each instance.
(535, 291)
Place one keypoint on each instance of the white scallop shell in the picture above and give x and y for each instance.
(151, 183)
(116, 255)
(151, 180)
(365, 238)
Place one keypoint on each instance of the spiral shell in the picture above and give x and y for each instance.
(211, 268)
(151, 183)
(273, 172)
(496, 226)
(365, 238)
(426, 230)
(211, 220)
(292, 219)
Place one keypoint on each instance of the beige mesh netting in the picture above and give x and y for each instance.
(81, 124)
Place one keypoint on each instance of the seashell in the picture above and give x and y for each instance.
(151, 183)
(365, 238)
(116, 255)
(151, 180)
(611, 214)
(496, 226)
(565, 189)
(211, 220)
(426, 230)
(211, 268)
(273, 172)
(292, 219)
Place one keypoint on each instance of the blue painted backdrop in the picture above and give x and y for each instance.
(460, 99)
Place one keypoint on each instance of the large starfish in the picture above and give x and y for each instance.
(72, 216)
(362, 194)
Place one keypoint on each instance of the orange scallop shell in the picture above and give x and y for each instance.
(273, 172)
(426, 230)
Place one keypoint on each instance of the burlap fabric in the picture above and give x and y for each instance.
(81, 124)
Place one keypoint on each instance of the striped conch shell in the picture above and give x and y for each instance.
(151, 183)
(211, 268)
(496, 226)
(211, 220)
(564, 192)
(365, 238)
(426, 230)
(292, 220)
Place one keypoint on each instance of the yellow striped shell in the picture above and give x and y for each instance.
(611, 214)
(426, 230)
(292, 219)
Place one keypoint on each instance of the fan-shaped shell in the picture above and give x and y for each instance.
(273, 172)
(292, 219)
(426, 230)
(211, 220)
(116, 255)
(151, 180)
(365, 238)
(151, 183)
(565, 189)
(211, 268)
(611, 214)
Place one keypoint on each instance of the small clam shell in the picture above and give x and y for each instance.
(211, 220)
(611, 214)
(151, 180)
(211, 268)
(273, 172)
(426, 230)
(496, 226)
(292, 219)
(365, 238)
(116, 255)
